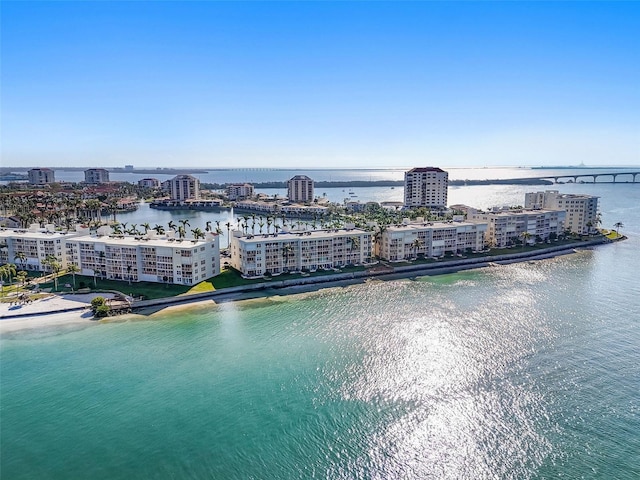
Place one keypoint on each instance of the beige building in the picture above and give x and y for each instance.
(96, 175)
(183, 187)
(300, 189)
(426, 187)
(239, 191)
(150, 258)
(149, 183)
(410, 240)
(256, 255)
(506, 227)
(41, 176)
(581, 210)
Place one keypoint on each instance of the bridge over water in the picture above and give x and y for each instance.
(626, 177)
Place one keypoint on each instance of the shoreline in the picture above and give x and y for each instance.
(146, 309)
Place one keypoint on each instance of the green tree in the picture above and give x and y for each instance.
(415, 245)
(525, 238)
(197, 233)
(287, 251)
(618, 226)
(54, 265)
(7, 271)
(21, 277)
(72, 268)
(21, 258)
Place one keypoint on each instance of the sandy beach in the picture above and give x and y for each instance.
(54, 310)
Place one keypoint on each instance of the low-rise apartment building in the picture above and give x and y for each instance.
(41, 176)
(239, 191)
(96, 175)
(30, 248)
(410, 240)
(257, 255)
(149, 183)
(582, 210)
(148, 258)
(507, 226)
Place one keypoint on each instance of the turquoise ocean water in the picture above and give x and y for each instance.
(522, 371)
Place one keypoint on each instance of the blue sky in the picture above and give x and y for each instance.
(320, 84)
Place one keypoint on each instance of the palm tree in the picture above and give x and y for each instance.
(218, 229)
(8, 271)
(146, 227)
(618, 226)
(21, 277)
(171, 225)
(208, 226)
(185, 223)
(116, 229)
(415, 245)
(228, 225)
(197, 233)
(354, 242)
(52, 262)
(73, 269)
(525, 238)
(287, 251)
(377, 238)
(159, 229)
(21, 258)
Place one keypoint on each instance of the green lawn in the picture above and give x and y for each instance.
(136, 289)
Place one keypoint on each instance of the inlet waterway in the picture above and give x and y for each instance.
(521, 371)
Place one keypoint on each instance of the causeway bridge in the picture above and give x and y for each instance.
(609, 177)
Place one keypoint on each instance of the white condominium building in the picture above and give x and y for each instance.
(300, 189)
(582, 210)
(256, 255)
(239, 191)
(401, 242)
(183, 187)
(150, 258)
(30, 248)
(96, 175)
(41, 176)
(508, 226)
(426, 187)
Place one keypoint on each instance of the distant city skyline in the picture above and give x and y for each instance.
(319, 84)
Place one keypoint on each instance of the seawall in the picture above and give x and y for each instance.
(391, 273)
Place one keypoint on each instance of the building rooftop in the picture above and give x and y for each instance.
(21, 232)
(308, 234)
(426, 169)
(429, 225)
(129, 241)
(520, 211)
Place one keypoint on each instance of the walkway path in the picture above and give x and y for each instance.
(48, 305)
